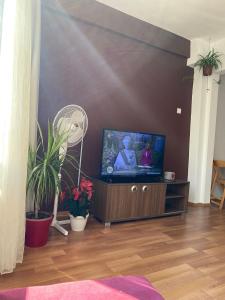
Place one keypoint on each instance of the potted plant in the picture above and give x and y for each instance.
(43, 182)
(209, 62)
(78, 201)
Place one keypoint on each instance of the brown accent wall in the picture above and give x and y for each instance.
(125, 73)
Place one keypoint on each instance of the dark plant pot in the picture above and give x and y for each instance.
(37, 229)
(207, 70)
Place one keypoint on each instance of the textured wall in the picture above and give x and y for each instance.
(123, 80)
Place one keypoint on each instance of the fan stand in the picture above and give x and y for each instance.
(57, 224)
(80, 159)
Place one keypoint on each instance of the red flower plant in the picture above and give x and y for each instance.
(76, 193)
(78, 200)
(86, 186)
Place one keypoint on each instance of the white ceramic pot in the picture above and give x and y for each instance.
(78, 223)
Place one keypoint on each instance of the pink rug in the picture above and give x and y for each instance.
(115, 288)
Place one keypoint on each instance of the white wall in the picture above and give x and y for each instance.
(202, 46)
(219, 149)
(203, 126)
(220, 47)
(198, 46)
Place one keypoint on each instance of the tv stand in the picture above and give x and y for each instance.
(116, 202)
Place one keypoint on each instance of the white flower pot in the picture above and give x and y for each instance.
(78, 223)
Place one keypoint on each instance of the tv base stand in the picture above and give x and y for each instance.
(116, 202)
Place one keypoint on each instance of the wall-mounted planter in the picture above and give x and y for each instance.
(207, 70)
(209, 62)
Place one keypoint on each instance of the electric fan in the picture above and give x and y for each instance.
(72, 119)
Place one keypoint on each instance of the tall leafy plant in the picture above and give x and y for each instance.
(44, 164)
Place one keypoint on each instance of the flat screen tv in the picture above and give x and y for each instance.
(129, 155)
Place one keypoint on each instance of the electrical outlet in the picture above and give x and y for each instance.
(179, 110)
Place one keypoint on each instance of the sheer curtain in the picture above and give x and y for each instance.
(1, 10)
(19, 72)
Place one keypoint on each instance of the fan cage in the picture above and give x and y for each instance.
(67, 112)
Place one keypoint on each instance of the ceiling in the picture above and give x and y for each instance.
(190, 19)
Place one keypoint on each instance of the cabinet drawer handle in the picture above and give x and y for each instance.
(144, 188)
(133, 188)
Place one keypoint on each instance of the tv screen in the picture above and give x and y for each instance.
(132, 154)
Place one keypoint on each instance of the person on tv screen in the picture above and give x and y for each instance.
(126, 158)
(146, 157)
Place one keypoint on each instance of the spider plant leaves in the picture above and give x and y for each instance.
(211, 59)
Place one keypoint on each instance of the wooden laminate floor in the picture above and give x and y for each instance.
(183, 256)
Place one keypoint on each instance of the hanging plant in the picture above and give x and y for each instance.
(209, 62)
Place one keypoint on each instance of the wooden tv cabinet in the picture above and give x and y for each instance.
(116, 202)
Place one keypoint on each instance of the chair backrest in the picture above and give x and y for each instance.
(219, 163)
(218, 180)
(216, 174)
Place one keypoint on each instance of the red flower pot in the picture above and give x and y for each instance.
(37, 229)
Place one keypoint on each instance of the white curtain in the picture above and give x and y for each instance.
(19, 72)
(1, 10)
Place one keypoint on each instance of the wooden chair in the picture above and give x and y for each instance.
(218, 179)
